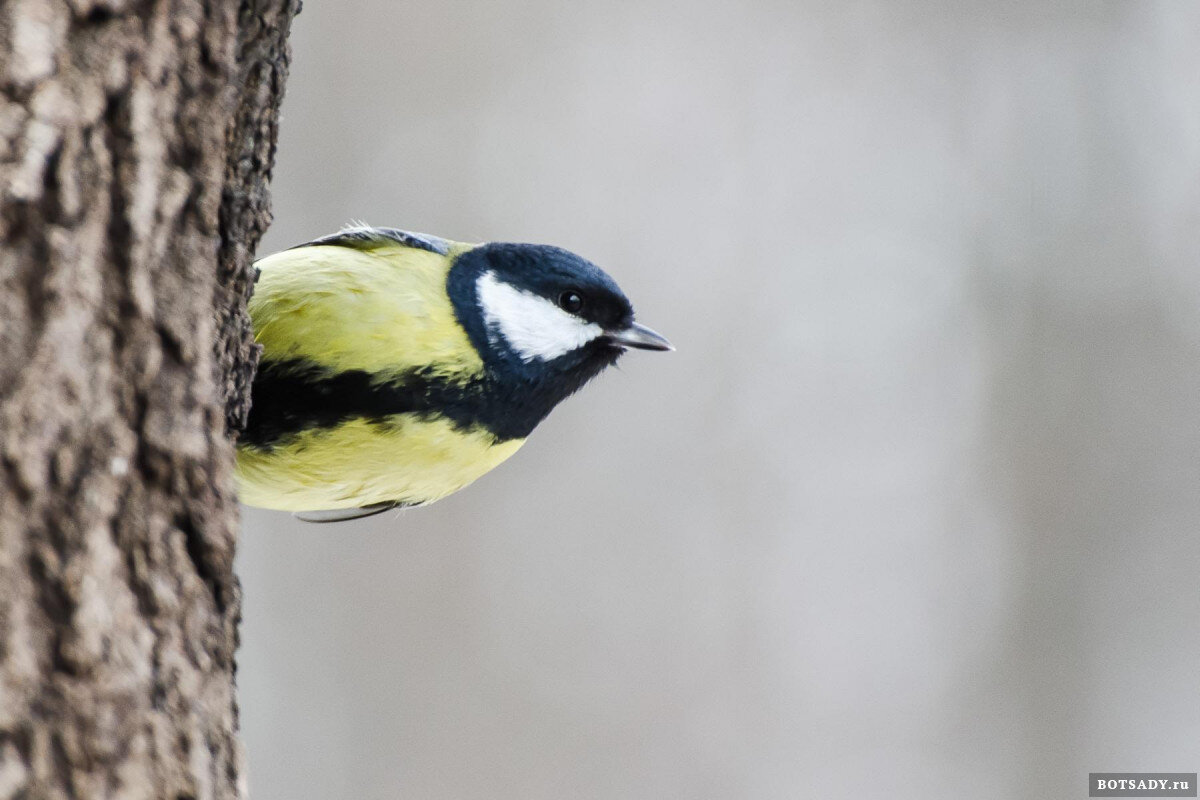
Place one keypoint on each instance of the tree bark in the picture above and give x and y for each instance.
(136, 141)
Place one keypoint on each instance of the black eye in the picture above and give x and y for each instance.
(570, 301)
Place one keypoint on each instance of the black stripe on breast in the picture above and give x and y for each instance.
(288, 397)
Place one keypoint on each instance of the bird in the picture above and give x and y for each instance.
(397, 368)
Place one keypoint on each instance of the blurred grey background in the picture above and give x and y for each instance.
(912, 512)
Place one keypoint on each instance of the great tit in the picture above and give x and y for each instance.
(398, 367)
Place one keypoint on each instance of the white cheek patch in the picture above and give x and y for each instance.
(533, 326)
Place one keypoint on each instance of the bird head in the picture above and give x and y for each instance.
(543, 314)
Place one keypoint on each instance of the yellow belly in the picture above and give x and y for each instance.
(359, 463)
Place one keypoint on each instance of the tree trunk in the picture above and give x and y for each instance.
(136, 140)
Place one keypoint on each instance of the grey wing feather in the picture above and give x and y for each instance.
(365, 237)
(344, 514)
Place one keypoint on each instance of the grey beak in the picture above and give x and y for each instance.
(638, 336)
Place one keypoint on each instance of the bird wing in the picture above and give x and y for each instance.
(364, 237)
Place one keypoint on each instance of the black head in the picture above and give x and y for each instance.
(543, 316)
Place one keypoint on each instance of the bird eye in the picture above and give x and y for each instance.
(570, 301)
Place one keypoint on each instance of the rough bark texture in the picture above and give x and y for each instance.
(136, 139)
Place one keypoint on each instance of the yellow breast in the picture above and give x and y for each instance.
(383, 310)
(359, 463)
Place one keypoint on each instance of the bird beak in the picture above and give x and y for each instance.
(638, 336)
